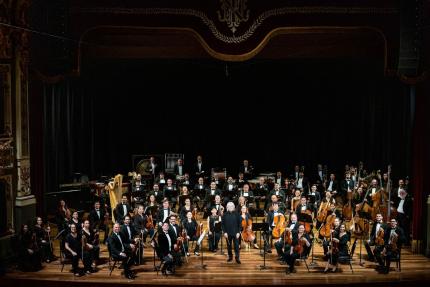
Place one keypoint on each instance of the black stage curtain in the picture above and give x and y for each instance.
(274, 113)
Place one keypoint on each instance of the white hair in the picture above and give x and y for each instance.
(230, 206)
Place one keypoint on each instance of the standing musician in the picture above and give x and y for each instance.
(299, 247)
(214, 225)
(190, 226)
(140, 221)
(393, 239)
(163, 213)
(375, 234)
(247, 234)
(404, 213)
(231, 224)
(122, 209)
(62, 216)
(338, 247)
(91, 248)
(99, 220)
(120, 252)
(128, 234)
(74, 248)
(43, 240)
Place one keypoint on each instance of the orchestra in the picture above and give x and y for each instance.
(296, 209)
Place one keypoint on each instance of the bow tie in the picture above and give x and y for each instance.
(97, 210)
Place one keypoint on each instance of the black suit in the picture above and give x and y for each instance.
(176, 170)
(98, 221)
(160, 215)
(231, 224)
(404, 219)
(126, 236)
(248, 174)
(202, 172)
(345, 185)
(119, 212)
(117, 246)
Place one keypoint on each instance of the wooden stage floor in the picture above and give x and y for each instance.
(415, 270)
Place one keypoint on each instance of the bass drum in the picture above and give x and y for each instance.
(143, 167)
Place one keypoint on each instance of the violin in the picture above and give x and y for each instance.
(300, 245)
(149, 223)
(247, 234)
(288, 237)
(279, 228)
(379, 239)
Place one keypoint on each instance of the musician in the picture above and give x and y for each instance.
(281, 206)
(190, 226)
(128, 234)
(153, 167)
(159, 195)
(280, 245)
(279, 178)
(328, 203)
(384, 181)
(247, 193)
(91, 248)
(300, 246)
(245, 216)
(295, 201)
(199, 192)
(74, 249)
(270, 219)
(346, 185)
(76, 221)
(404, 214)
(210, 196)
(261, 192)
(304, 212)
(229, 190)
(335, 232)
(98, 220)
(296, 172)
(122, 209)
(200, 168)
(377, 225)
(393, 239)
(396, 191)
(43, 240)
(163, 213)
(29, 253)
(214, 225)
(320, 176)
(138, 188)
(170, 192)
(280, 194)
(151, 207)
(231, 224)
(374, 188)
(339, 248)
(314, 198)
(166, 249)
(241, 180)
(161, 180)
(185, 209)
(175, 233)
(302, 182)
(186, 181)
(139, 223)
(332, 184)
(62, 216)
(179, 169)
(247, 170)
(119, 251)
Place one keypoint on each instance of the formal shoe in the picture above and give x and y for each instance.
(88, 272)
(283, 263)
(334, 270)
(196, 254)
(238, 261)
(229, 259)
(269, 251)
(256, 246)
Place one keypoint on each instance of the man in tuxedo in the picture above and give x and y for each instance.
(200, 169)
(97, 219)
(392, 232)
(404, 214)
(378, 224)
(153, 167)
(119, 251)
(166, 248)
(231, 225)
(163, 213)
(159, 195)
(332, 185)
(179, 169)
(122, 209)
(247, 170)
(346, 186)
(128, 233)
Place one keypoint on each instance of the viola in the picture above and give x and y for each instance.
(300, 245)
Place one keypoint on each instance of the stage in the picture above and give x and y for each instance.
(414, 270)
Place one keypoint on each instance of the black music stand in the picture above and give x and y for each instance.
(262, 227)
(199, 243)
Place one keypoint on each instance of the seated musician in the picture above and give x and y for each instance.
(97, 219)
(327, 205)
(185, 209)
(120, 252)
(304, 213)
(314, 198)
(163, 213)
(186, 181)
(175, 233)
(214, 225)
(300, 246)
(183, 196)
(295, 201)
(138, 188)
(332, 185)
(74, 249)
(241, 202)
(199, 192)
(91, 247)
(241, 180)
(377, 225)
(338, 248)
(29, 252)
(229, 190)
(326, 242)
(179, 169)
(190, 225)
(246, 217)
(128, 235)
(393, 239)
(122, 209)
(261, 192)
(157, 193)
(43, 240)
(161, 180)
(166, 249)
(271, 221)
(278, 192)
(210, 197)
(170, 192)
(280, 244)
(249, 197)
(76, 221)
(275, 199)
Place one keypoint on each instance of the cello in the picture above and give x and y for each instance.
(247, 234)
(280, 224)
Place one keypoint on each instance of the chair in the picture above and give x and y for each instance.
(397, 258)
(115, 261)
(63, 256)
(347, 259)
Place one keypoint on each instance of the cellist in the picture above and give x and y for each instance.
(247, 234)
(304, 213)
(300, 245)
(282, 245)
(339, 247)
(326, 242)
(274, 217)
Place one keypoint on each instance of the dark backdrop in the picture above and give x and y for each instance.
(275, 113)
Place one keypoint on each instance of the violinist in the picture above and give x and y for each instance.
(164, 212)
(214, 224)
(30, 257)
(334, 230)
(99, 220)
(338, 247)
(283, 244)
(374, 234)
(73, 246)
(43, 240)
(140, 225)
(190, 226)
(175, 235)
(91, 249)
(393, 239)
(128, 234)
(247, 235)
(300, 245)
(231, 224)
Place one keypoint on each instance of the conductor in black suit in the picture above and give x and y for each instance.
(231, 224)
(122, 209)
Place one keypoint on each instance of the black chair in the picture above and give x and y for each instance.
(347, 259)
(111, 259)
(397, 258)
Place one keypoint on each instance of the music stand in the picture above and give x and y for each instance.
(199, 243)
(262, 227)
